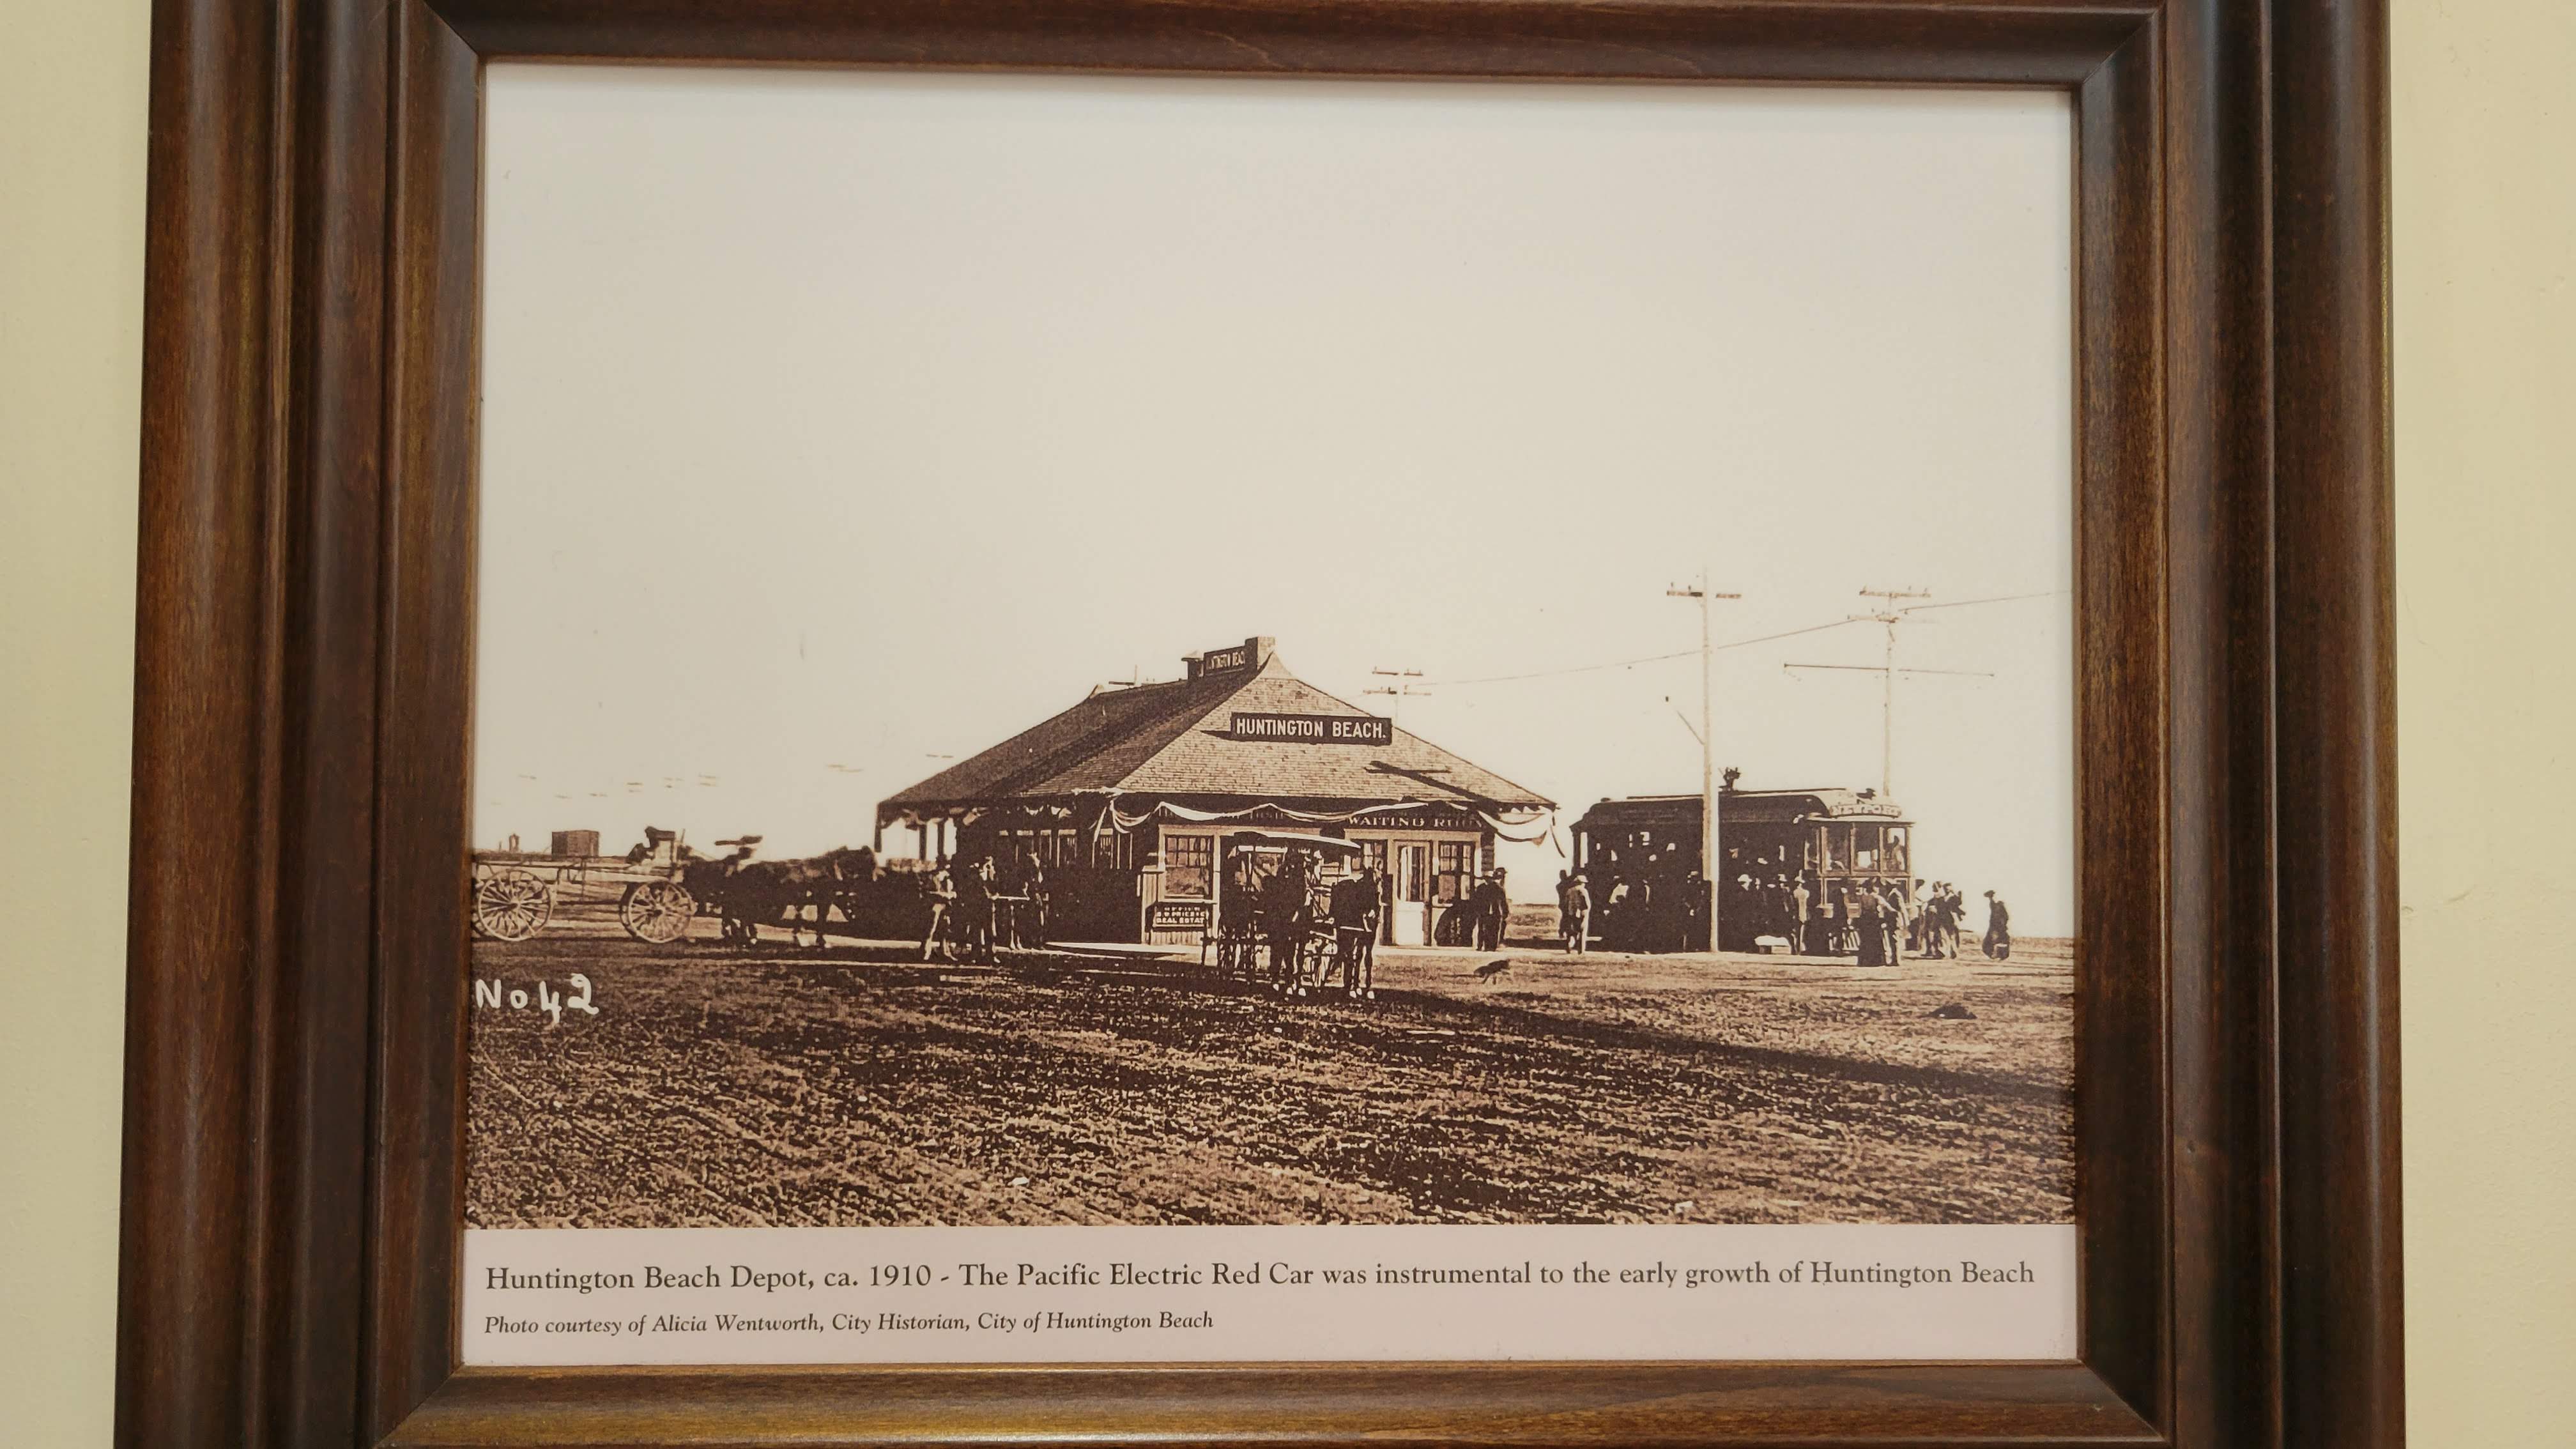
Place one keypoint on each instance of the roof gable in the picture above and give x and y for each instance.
(1207, 758)
(1090, 746)
(1176, 739)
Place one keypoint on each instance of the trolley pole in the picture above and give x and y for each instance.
(1889, 614)
(1708, 858)
(1887, 716)
(1892, 614)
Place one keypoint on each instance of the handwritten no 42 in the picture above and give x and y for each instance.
(497, 995)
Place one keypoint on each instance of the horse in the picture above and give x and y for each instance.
(746, 892)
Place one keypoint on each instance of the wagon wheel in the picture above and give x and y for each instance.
(512, 905)
(656, 910)
(1234, 957)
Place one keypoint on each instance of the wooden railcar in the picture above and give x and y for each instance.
(1836, 842)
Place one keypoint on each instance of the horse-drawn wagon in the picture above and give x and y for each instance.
(1275, 924)
(662, 887)
(514, 896)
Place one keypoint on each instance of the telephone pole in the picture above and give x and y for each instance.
(1708, 858)
(1405, 686)
(1888, 614)
(1891, 614)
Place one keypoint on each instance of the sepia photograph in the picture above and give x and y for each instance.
(1166, 720)
(1064, 651)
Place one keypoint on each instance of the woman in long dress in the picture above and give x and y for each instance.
(1873, 929)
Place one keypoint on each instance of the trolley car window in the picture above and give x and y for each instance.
(1187, 865)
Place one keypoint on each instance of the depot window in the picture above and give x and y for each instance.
(1188, 865)
(1457, 868)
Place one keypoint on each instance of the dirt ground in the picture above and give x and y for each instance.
(849, 1086)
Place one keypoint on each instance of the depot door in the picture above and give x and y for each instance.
(1409, 914)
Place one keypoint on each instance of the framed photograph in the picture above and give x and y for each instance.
(1215, 722)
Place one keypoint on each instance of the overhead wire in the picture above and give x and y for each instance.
(1998, 599)
(1648, 659)
(1732, 643)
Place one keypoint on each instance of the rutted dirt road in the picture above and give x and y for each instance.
(846, 1086)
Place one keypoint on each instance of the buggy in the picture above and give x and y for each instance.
(513, 896)
(1274, 923)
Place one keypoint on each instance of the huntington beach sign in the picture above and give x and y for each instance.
(1314, 729)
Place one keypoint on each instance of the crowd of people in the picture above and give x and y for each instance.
(1631, 911)
(1879, 923)
(989, 903)
(985, 906)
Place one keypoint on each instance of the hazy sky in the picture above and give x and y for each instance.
(836, 424)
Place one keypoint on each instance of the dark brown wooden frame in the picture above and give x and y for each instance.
(296, 1020)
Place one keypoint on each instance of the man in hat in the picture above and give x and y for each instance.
(1574, 914)
(1026, 880)
(1892, 922)
(1998, 927)
(942, 888)
(1357, 906)
(1690, 933)
(1491, 909)
(975, 909)
(1741, 918)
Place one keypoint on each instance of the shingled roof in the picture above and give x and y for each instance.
(1746, 807)
(1176, 741)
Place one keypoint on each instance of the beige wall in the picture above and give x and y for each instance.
(71, 310)
(2486, 338)
(2486, 499)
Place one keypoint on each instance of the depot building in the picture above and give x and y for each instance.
(1129, 796)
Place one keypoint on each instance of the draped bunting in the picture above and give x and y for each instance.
(1519, 828)
(1528, 831)
(969, 814)
(1524, 830)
